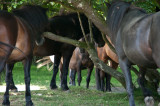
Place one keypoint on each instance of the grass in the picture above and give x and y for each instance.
(76, 96)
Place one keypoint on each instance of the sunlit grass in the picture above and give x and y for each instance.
(76, 96)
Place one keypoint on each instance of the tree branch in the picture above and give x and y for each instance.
(93, 55)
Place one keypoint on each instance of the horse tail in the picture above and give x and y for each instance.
(11, 46)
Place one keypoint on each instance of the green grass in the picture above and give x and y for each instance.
(76, 96)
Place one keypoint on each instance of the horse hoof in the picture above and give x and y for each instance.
(14, 90)
(29, 103)
(53, 87)
(64, 88)
(6, 103)
(149, 101)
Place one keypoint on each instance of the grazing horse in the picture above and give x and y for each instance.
(80, 60)
(107, 56)
(136, 37)
(22, 29)
(66, 26)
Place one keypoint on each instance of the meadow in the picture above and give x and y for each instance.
(76, 96)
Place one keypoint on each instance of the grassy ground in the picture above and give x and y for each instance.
(76, 96)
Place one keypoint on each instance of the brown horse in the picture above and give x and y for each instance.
(21, 29)
(80, 60)
(106, 55)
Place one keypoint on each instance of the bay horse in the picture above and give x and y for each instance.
(67, 26)
(109, 57)
(21, 29)
(79, 61)
(136, 37)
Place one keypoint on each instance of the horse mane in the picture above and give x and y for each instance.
(34, 15)
(70, 15)
(116, 13)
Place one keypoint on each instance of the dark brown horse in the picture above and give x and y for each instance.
(21, 29)
(136, 37)
(109, 57)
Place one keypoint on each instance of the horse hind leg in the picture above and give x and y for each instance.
(7, 79)
(102, 76)
(97, 76)
(66, 60)
(27, 66)
(57, 59)
(12, 86)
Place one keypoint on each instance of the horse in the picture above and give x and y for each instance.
(135, 35)
(107, 56)
(79, 61)
(21, 29)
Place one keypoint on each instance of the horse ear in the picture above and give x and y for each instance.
(108, 4)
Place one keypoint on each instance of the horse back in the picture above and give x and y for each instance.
(8, 32)
(135, 35)
(23, 41)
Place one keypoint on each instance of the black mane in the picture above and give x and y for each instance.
(69, 20)
(68, 24)
(34, 15)
(115, 15)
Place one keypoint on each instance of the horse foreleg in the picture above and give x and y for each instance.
(97, 75)
(79, 77)
(57, 59)
(27, 65)
(72, 76)
(89, 76)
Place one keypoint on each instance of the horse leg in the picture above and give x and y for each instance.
(12, 86)
(102, 75)
(108, 82)
(72, 76)
(8, 80)
(89, 76)
(79, 77)
(125, 66)
(97, 75)
(27, 65)
(57, 59)
(141, 82)
(114, 65)
(66, 60)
